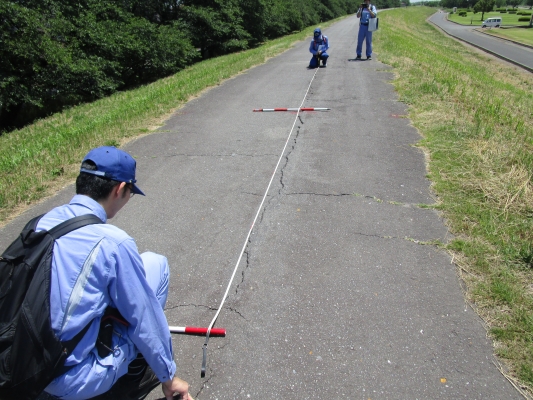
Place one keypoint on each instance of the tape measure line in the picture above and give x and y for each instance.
(204, 359)
(291, 109)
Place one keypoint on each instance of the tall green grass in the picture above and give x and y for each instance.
(476, 118)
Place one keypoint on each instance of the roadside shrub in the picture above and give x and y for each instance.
(511, 12)
(462, 13)
(521, 19)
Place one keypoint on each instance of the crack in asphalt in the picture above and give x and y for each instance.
(376, 199)
(434, 242)
(282, 168)
(247, 253)
(191, 305)
(215, 155)
(234, 310)
(205, 382)
(210, 370)
(280, 193)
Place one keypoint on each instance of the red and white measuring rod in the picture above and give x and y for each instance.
(194, 330)
(291, 109)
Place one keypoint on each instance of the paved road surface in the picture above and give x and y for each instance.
(338, 295)
(520, 55)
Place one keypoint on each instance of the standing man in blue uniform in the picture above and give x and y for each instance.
(365, 12)
(318, 47)
(98, 268)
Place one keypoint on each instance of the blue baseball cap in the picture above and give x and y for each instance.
(114, 164)
(317, 33)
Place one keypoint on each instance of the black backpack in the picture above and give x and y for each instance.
(31, 355)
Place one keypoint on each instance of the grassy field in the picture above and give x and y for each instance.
(476, 119)
(475, 19)
(520, 35)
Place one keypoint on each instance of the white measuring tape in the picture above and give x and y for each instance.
(204, 360)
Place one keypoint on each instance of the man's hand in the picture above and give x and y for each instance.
(176, 385)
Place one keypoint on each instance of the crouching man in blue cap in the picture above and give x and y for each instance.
(98, 272)
(318, 47)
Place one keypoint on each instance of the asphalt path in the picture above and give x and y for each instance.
(505, 49)
(340, 293)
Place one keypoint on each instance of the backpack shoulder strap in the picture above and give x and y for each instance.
(32, 223)
(56, 232)
(74, 223)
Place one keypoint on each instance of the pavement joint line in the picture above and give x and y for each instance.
(422, 206)
(434, 242)
(216, 155)
(189, 305)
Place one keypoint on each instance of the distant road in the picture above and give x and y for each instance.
(509, 51)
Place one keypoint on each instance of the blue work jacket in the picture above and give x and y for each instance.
(94, 267)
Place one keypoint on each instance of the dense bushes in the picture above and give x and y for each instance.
(57, 53)
(50, 59)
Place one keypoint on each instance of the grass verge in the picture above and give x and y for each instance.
(520, 35)
(476, 119)
(475, 19)
(37, 160)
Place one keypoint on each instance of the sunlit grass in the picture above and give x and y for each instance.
(475, 19)
(517, 34)
(476, 118)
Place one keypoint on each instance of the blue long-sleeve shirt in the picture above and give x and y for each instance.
(322, 44)
(94, 267)
(365, 14)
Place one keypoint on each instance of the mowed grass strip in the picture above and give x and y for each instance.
(475, 19)
(476, 118)
(520, 35)
(37, 160)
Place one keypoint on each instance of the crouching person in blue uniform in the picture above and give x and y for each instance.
(318, 47)
(98, 268)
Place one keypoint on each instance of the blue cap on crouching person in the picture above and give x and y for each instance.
(112, 163)
(317, 34)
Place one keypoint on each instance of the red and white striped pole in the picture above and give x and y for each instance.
(291, 109)
(194, 330)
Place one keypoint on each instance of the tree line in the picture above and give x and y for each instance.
(58, 53)
(484, 5)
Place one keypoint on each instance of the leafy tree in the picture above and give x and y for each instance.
(484, 6)
(49, 60)
(216, 26)
(513, 3)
